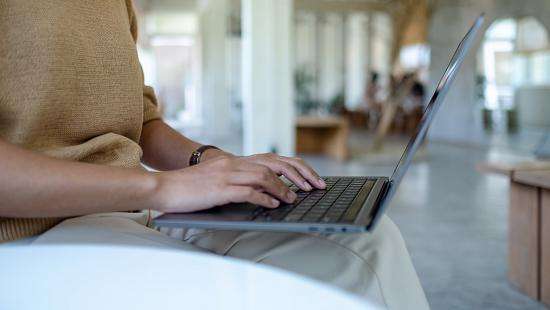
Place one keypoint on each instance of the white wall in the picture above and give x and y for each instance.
(534, 106)
(305, 37)
(459, 120)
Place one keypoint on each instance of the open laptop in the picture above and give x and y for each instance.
(348, 204)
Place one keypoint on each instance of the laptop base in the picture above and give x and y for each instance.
(346, 206)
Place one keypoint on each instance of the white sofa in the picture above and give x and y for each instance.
(102, 277)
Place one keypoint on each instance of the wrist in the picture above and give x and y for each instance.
(211, 154)
(151, 184)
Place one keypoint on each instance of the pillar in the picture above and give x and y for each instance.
(331, 79)
(267, 68)
(356, 59)
(214, 92)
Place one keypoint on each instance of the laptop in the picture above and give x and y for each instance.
(348, 204)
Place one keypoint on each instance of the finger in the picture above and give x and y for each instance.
(239, 194)
(259, 165)
(267, 181)
(275, 163)
(306, 171)
(284, 168)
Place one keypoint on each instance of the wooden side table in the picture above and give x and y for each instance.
(529, 226)
(529, 233)
(323, 135)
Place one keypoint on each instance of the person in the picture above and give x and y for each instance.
(372, 90)
(413, 105)
(76, 125)
(372, 102)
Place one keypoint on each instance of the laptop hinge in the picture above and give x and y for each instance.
(377, 211)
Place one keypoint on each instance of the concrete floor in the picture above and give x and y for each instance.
(454, 221)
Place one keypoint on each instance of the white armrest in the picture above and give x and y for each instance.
(96, 277)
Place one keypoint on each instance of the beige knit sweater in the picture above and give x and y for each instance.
(71, 86)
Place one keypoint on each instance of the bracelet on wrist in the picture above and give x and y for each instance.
(196, 156)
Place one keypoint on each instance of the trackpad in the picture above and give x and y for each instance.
(230, 212)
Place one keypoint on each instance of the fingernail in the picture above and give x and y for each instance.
(307, 186)
(291, 196)
(322, 182)
(275, 202)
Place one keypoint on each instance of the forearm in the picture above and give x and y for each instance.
(166, 149)
(32, 185)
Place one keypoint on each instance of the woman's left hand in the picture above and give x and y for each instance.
(294, 169)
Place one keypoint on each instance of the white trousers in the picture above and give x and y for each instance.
(375, 266)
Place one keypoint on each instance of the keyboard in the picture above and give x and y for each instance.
(331, 205)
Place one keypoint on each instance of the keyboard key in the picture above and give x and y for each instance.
(279, 213)
(293, 217)
(311, 218)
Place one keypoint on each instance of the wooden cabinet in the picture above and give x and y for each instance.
(529, 233)
(545, 247)
(523, 238)
(529, 226)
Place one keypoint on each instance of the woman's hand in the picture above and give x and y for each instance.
(217, 182)
(232, 179)
(294, 169)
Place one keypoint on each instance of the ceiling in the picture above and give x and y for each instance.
(348, 5)
(319, 5)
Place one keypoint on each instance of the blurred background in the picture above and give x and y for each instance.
(343, 83)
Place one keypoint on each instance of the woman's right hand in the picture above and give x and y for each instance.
(218, 182)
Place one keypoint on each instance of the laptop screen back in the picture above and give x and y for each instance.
(430, 111)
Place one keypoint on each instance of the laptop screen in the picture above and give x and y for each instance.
(431, 109)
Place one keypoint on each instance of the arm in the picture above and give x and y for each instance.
(166, 149)
(33, 185)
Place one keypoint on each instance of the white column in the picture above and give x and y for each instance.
(356, 58)
(331, 79)
(214, 88)
(268, 98)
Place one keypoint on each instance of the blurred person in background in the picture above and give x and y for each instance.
(372, 102)
(413, 105)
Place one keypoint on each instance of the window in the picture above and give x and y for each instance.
(170, 57)
(515, 53)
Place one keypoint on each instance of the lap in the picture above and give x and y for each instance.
(315, 256)
(375, 265)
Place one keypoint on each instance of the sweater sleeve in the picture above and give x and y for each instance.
(150, 103)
